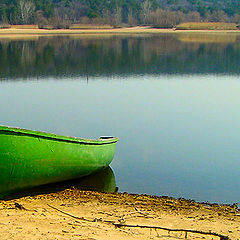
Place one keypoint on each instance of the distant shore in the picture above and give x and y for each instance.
(75, 214)
(134, 30)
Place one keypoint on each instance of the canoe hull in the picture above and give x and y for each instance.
(29, 160)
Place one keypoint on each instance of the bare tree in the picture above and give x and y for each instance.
(26, 9)
(106, 17)
(236, 18)
(193, 17)
(166, 19)
(146, 10)
(117, 17)
(219, 16)
(41, 21)
(131, 19)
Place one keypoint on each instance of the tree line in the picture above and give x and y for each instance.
(158, 13)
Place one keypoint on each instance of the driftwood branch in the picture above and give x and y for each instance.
(144, 214)
(68, 214)
(222, 237)
(19, 206)
(81, 218)
(119, 225)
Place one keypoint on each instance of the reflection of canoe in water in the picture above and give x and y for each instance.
(31, 158)
(101, 181)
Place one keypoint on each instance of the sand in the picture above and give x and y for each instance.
(75, 214)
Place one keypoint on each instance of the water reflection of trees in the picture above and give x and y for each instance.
(117, 55)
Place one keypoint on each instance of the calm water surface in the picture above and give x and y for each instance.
(173, 100)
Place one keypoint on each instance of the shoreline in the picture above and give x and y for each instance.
(73, 213)
(134, 30)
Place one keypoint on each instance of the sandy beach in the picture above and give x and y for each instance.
(75, 214)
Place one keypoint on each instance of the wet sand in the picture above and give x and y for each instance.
(75, 214)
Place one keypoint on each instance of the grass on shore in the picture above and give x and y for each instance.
(134, 30)
(90, 26)
(207, 26)
(4, 26)
(31, 30)
(26, 26)
(72, 26)
(101, 27)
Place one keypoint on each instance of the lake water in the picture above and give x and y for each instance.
(173, 100)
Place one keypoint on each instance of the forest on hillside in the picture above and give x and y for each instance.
(158, 13)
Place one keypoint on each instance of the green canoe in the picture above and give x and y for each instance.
(30, 158)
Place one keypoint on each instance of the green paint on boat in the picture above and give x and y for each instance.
(31, 158)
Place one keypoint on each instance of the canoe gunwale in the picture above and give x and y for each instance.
(55, 137)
